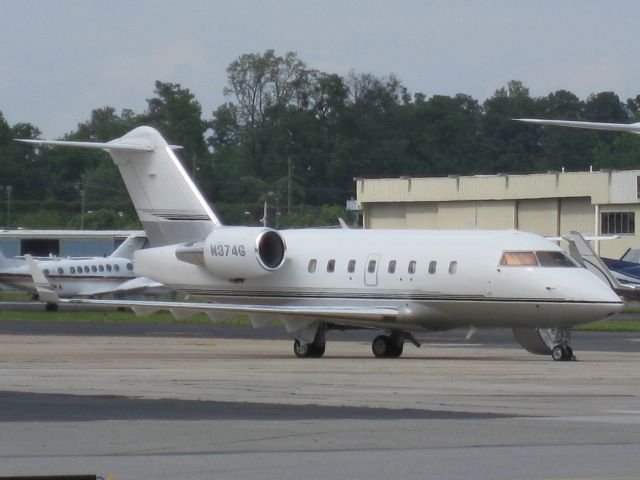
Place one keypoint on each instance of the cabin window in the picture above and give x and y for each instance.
(129, 266)
(352, 266)
(518, 259)
(46, 271)
(331, 266)
(555, 259)
(453, 267)
(371, 268)
(432, 266)
(392, 266)
(101, 268)
(412, 267)
(94, 269)
(312, 265)
(108, 268)
(617, 222)
(86, 269)
(72, 269)
(116, 267)
(60, 270)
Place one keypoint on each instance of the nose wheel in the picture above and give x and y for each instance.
(562, 353)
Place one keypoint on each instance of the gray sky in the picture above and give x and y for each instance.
(60, 59)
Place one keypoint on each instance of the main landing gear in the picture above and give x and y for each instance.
(308, 350)
(313, 349)
(391, 346)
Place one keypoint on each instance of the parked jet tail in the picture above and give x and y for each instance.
(170, 207)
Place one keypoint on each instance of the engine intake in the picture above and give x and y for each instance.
(236, 253)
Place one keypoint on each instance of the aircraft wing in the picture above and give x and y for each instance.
(613, 127)
(293, 313)
(132, 285)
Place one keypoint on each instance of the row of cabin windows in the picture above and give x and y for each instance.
(391, 268)
(93, 268)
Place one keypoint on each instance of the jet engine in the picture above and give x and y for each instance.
(236, 253)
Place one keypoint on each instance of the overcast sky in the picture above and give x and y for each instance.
(60, 59)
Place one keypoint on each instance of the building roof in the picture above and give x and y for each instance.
(68, 234)
(603, 187)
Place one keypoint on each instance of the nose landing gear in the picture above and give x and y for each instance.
(562, 353)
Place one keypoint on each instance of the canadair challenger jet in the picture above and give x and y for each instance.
(315, 280)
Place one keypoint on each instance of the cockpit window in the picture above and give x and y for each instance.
(518, 259)
(554, 259)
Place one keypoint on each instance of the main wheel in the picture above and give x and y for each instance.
(381, 346)
(395, 350)
(317, 351)
(308, 350)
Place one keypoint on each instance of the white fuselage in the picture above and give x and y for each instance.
(442, 279)
(72, 276)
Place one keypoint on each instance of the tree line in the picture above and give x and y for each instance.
(296, 137)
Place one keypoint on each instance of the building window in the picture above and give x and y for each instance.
(392, 267)
(312, 265)
(617, 222)
(412, 267)
(331, 266)
(352, 266)
(432, 266)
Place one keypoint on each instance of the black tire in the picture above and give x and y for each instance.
(558, 353)
(51, 307)
(301, 351)
(380, 346)
(395, 351)
(317, 351)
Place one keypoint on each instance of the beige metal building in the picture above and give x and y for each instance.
(550, 204)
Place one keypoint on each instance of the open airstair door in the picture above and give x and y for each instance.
(581, 252)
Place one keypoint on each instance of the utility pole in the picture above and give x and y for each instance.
(8, 189)
(80, 188)
(289, 187)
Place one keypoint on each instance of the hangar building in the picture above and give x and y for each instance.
(550, 204)
(63, 243)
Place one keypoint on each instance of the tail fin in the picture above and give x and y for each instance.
(169, 205)
(128, 247)
(613, 127)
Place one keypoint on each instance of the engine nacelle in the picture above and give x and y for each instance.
(236, 253)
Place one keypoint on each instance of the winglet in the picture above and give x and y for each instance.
(45, 291)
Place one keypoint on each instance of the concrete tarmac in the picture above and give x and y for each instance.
(200, 407)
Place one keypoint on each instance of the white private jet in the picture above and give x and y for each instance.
(314, 280)
(81, 276)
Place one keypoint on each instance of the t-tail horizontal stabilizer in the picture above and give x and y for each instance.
(170, 206)
(582, 252)
(45, 290)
